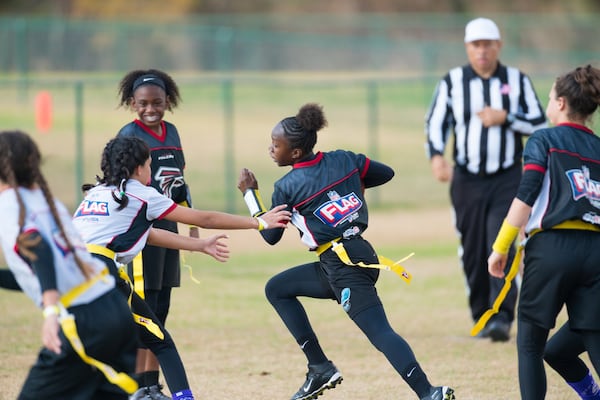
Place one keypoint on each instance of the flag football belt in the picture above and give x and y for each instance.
(514, 269)
(121, 379)
(69, 328)
(384, 262)
(139, 319)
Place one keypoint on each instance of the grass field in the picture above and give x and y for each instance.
(235, 347)
(232, 343)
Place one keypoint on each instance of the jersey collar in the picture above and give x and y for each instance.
(576, 126)
(151, 132)
(310, 163)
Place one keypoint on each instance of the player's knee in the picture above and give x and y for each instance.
(271, 290)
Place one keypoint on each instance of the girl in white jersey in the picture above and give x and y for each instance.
(87, 324)
(115, 220)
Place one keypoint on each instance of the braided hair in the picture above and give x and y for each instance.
(121, 156)
(139, 77)
(20, 161)
(301, 130)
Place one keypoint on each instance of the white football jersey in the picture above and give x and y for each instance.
(39, 218)
(123, 231)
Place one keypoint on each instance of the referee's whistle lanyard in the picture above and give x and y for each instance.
(337, 246)
(69, 328)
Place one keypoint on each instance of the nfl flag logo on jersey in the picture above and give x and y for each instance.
(338, 209)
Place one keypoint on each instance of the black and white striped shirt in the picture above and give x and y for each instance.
(460, 95)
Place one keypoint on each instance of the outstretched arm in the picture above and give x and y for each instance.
(213, 246)
(275, 218)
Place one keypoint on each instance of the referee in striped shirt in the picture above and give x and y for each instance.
(488, 107)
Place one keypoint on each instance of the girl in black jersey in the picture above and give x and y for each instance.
(150, 93)
(324, 192)
(558, 204)
(88, 348)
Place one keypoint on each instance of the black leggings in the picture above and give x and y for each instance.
(164, 349)
(562, 354)
(283, 291)
(532, 349)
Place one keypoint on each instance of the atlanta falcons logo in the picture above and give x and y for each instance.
(169, 179)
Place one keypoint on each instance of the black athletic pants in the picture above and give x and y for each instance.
(308, 280)
(105, 328)
(480, 205)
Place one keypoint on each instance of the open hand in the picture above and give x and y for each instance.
(215, 247)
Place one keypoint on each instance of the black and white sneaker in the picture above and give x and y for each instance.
(318, 378)
(155, 393)
(440, 393)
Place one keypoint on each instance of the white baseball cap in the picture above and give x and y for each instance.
(481, 29)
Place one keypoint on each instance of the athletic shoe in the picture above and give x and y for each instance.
(440, 393)
(140, 394)
(318, 378)
(499, 331)
(155, 393)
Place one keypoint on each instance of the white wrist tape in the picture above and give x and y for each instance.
(262, 224)
(254, 202)
(51, 310)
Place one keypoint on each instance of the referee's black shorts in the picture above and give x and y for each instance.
(562, 267)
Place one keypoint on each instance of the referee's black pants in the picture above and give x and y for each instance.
(480, 205)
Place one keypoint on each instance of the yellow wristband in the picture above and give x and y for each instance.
(506, 236)
(50, 310)
(262, 224)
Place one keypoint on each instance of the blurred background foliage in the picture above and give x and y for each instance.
(242, 65)
(178, 8)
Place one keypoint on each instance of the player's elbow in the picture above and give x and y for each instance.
(272, 236)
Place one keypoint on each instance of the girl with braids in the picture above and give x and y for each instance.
(558, 205)
(325, 193)
(51, 265)
(116, 221)
(149, 93)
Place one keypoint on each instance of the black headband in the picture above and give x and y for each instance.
(148, 79)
